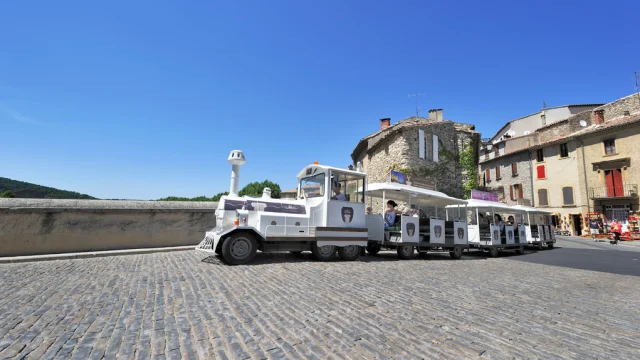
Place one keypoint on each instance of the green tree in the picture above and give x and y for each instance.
(256, 188)
(7, 194)
(467, 161)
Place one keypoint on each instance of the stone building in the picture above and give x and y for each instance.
(580, 164)
(425, 147)
(611, 166)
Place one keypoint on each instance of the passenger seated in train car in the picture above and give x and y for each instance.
(500, 222)
(369, 210)
(511, 220)
(390, 214)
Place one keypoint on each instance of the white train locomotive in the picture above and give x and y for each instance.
(328, 216)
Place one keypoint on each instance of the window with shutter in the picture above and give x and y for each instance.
(514, 169)
(540, 172)
(610, 146)
(543, 197)
(421, 143)
(486, 154)
(428, 146)
(435, 148)
(539, 155)
(511, 193)
(520, 191)
(497, 151)
(567, 195)
(498, 175)
(564, 150)
(487, 174)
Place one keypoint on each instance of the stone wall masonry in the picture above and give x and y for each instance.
(507, 180)
(46, 226)
(617, 108)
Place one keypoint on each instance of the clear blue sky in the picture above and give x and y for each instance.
(145, 99)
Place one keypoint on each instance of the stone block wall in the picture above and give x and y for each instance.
(523, 177)
(45, 226)
(617, 108)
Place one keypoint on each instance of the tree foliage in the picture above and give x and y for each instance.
(27, 190)
(7, 194)
(252, 189)
(256, 188)
(468, 163)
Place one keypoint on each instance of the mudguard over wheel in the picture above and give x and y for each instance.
(456, 253)
(323, 253)
(373, 248)
(239, 248)
(349, 253)
(405, 252)
(520, 250)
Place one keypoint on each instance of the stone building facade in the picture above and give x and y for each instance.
(509, 177)
(584, 163)
(398, 147)
(611, 166)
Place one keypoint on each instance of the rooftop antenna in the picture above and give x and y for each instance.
(417, 105)
(637, 76)
(544, 104)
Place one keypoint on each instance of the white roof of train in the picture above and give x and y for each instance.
(401, 192)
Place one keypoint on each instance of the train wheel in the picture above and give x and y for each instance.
(494, 252)
(239, 248)
(349, 253)
(456, 253)
(520, 250)
(373, 248)
(405, 251)
(323, 253)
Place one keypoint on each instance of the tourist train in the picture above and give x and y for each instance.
(330, 216)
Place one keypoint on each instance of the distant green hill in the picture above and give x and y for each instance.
(32, 191)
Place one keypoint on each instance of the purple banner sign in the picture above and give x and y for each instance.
(483, 195)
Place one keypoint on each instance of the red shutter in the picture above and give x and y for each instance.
(511, 191)
(618, 189)
(487, 174)
(519, 191)
(498, 172)
(608, 177)
(541, 173)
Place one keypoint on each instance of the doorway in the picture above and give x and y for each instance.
(577, 225)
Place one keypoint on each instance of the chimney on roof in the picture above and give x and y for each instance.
(435, 114)
(385, 123)
(598, 116)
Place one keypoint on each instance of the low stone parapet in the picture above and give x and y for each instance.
(50, 226)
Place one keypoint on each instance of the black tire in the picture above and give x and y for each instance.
(405, 252)
(239, 248)
(373, 248)
(550, 246)
(494, 252)
(349, 253)
(296, 252)
(456, 253)
(520, 250)
(539, 246)
(323, 253)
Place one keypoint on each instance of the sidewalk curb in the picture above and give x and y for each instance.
(92, 254)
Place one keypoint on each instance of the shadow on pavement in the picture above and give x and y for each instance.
(287, 258)
(602, 260)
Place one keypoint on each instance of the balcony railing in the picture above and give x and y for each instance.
(610, 192)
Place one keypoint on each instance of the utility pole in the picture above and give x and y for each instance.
(417, 104)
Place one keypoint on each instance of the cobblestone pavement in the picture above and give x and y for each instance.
(175, 305)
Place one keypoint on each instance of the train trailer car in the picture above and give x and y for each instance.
(539, 230)
(489, 232)
(416, 231)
